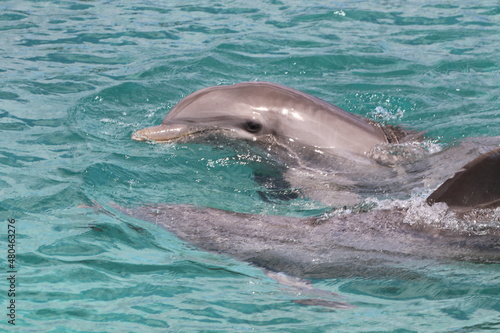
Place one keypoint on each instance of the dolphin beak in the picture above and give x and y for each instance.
(164, 132)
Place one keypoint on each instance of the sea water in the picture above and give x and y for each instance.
(78, 77)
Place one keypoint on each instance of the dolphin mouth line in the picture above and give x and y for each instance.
(141, 137)
(147, 136)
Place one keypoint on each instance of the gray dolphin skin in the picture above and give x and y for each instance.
(378, 243)
(465, 222)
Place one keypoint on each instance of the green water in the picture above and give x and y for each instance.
(78, 77)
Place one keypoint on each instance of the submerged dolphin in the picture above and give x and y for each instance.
(284, 117)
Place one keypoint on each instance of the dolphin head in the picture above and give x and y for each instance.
(258, 110)
(220, 108)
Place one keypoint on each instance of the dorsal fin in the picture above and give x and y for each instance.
(477, 185)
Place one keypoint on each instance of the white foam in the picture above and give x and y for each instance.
(401, 153)
(439, 216)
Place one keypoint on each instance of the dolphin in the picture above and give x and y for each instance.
(328, 245)
(256, 111)
(387, 242)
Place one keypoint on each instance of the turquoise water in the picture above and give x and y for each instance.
(78, 77)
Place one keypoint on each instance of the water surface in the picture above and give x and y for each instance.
(78, 77)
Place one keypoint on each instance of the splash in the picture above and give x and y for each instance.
(382, 114)
(403, 153)
(439, 217)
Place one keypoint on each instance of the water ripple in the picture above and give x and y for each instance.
(79, 77)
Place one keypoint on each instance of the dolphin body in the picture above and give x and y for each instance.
(312, 132)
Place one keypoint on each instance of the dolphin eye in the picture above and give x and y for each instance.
(253, 127)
